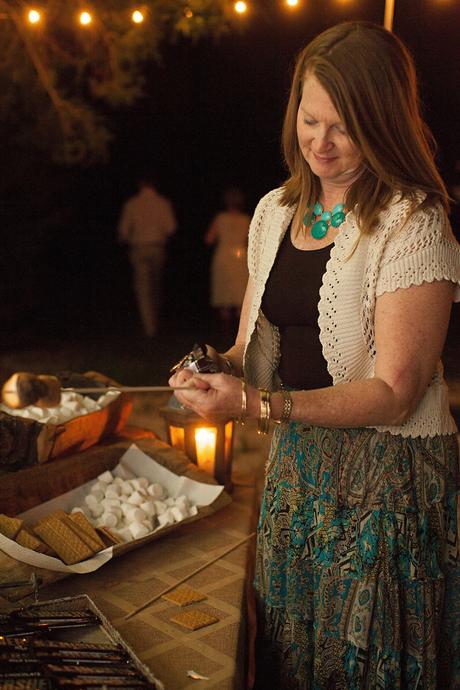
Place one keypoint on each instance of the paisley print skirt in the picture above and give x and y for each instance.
(357, 573)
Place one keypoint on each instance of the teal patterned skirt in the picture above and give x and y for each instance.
(357, 572)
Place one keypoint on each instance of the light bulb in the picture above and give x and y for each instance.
(34, 16)
(85, 18)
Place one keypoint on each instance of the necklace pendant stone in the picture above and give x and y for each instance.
(318, 209)
(319, 229)
(337, 219)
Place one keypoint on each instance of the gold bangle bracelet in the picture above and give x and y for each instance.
(263, 426)
(287, 406)
(244, 403)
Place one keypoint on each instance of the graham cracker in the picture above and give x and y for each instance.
(69, 547)
(109, 537)
(183, 596)
(82, 521)
(55, 515)
(10, 526)
(93, 542)
(194, 619)
(29, 541)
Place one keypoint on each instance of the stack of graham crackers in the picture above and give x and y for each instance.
(70, 536)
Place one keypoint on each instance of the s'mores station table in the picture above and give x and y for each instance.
(160, 551)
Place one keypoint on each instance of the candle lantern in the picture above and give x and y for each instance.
(208, 444)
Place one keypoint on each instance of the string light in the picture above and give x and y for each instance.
(241, 7)
(85, 18)
(137, 17)
(34, 16)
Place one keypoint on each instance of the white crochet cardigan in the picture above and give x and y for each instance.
(361, 267)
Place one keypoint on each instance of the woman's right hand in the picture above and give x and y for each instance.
(180, 378)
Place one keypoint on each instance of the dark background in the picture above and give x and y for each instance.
(212, 117)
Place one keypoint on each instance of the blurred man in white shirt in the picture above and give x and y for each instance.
(147, 221)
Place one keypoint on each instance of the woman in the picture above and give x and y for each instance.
(229, 273)
(344, 322)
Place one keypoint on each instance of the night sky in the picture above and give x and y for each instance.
(212, 117)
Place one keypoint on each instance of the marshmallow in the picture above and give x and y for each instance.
(177, 513)
(90, 404)
(192, 511)
(98, 486)
(182, 502)
(149, 508)
(156, 490)
(136, 498)
(125, 533)
(160, 507)
(165, 519)
(126, 488)
(119, 481)
(109, 520)
(91, 501)
(126, 508)
(113, 491)
(138, 530)
(64, 414)
(106, 477)
(77, 510)
(143, 482)
(98, 495)
(111, 502)
(97, 510)
(115, 510)
(135, 515)
(170, 502)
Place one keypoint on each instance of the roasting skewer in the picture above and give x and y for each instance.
(23, 389)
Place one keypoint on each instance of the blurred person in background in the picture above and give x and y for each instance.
(229, 273)
(147, 221)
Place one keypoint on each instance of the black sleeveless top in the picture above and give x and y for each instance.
(290, 301)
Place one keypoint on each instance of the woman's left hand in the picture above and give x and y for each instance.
(213, 396)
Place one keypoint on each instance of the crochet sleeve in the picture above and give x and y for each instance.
(422, 250)
(258, 223)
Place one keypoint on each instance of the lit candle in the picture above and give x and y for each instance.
(205, 441)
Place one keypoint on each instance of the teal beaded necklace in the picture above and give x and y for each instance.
(320, 220)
